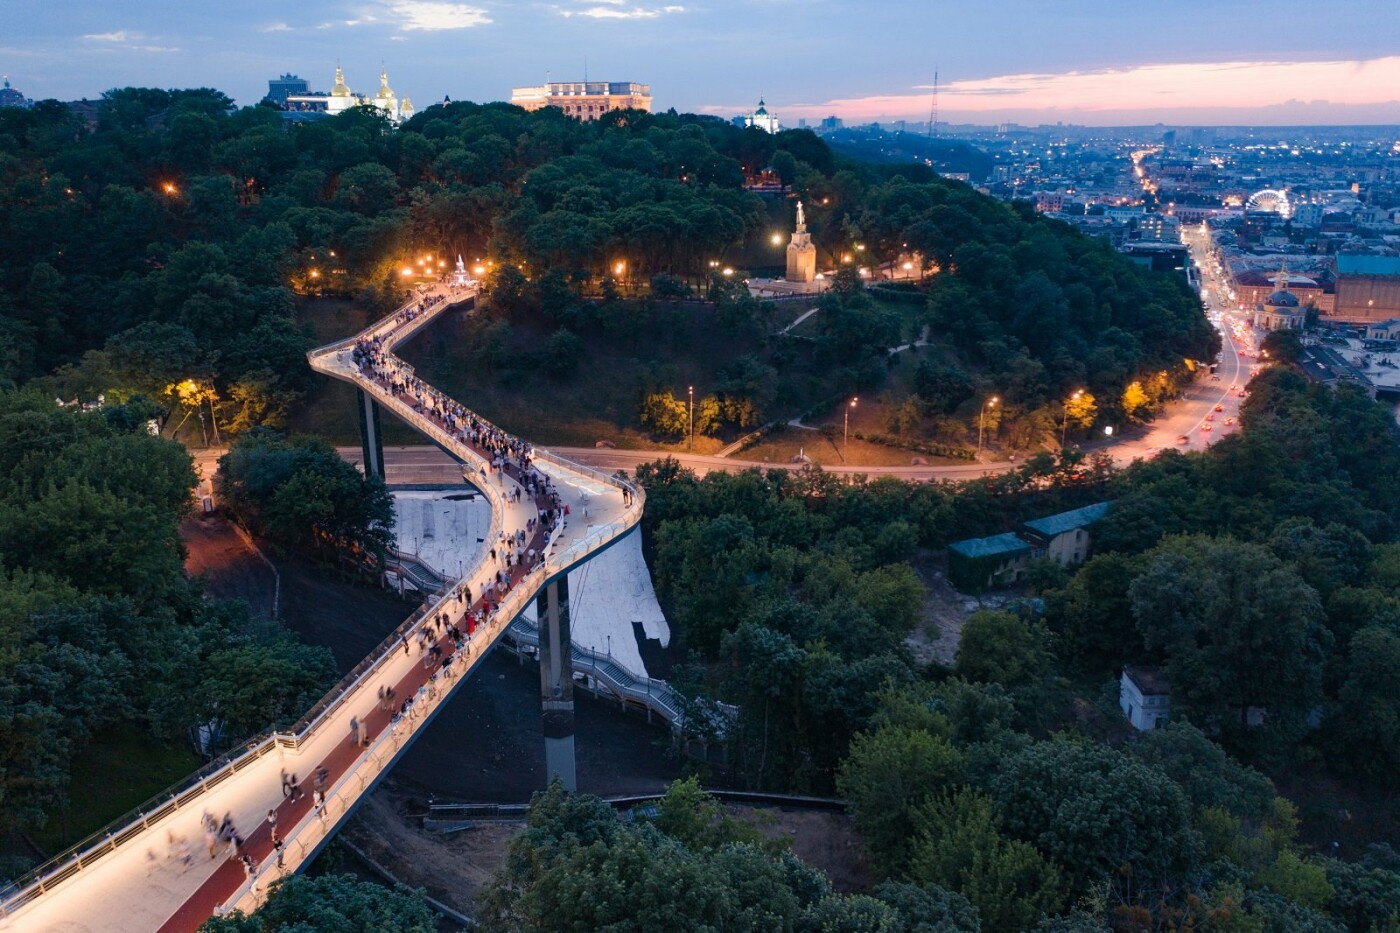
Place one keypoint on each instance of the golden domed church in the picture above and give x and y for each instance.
(341, 99)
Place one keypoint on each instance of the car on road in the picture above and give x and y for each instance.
(1205, 427)
(1183, 439)
(1210, 417)
(1219, 407)
(1243, 393)
(1229, 420)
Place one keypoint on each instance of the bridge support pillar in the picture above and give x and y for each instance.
(371, 438)
(557, 681)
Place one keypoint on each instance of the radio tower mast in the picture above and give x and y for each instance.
(933, 107)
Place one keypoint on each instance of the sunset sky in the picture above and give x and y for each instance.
(1084, 61)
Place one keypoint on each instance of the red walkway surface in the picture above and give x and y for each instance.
(230, 876)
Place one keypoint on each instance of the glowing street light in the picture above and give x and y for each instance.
(846, 440)
(691, 391)
(982, 421)
(777, 239)
(405, 272)
(1064, 421)
(169, 188)
(619, 268)
(727, 271)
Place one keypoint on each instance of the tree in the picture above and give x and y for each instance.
(1092, 616)
(1135, 401)
(1099, 814)
(331, 904)
(665, 415)
(562, 353)
(1208, 776)
(301, 493)
(928, 908)
(1081, 409)
(1238, 630)
(1003, 648)
(1367, 722)
(698, 820)
(884, 779)
(958, 847)
(264, 679)
(577, 866)
(1282, 346)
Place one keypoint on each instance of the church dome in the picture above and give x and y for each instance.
(385, 92)
(1282, 299)
(340, 89)
(762, 110)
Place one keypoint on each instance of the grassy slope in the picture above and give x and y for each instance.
(117, 771)
(599, 401)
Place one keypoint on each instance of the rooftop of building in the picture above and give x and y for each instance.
(1282, 299)
(1361, 264)
(995, 546)
(1252, 278)
(1053, 525)
(1149, 680)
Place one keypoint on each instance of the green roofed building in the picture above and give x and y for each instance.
(1064, 538)
(979, 564)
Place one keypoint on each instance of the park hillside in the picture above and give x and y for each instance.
(168, 267)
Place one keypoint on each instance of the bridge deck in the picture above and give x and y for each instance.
(135, 878)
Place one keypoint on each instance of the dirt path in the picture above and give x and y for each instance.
(230, 569)
(945, 612)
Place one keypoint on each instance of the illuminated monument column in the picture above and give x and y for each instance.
(556, 681)
(801, 254)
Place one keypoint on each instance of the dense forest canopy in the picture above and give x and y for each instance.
(168, 258)
(99, 625)
(1261, 577)
(166, 250)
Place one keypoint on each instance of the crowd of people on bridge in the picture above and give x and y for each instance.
(445, 638)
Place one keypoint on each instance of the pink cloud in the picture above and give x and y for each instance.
(1239, 85)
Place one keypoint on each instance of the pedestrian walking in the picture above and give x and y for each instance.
(355, 730)
(296, 791)
(286, 784)
(277, 846)
(272, 820)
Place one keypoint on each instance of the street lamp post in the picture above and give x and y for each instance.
(982, 422)
(691, 391)
(846, 440)
(1064, 420)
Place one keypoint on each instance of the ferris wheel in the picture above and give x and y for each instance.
(1273, 200)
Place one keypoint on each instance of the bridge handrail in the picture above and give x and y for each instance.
(650, 689)
(213, 772)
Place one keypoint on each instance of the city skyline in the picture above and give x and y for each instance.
(1098, 64)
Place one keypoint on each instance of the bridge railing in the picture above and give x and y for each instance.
(185, 792)
(99, 843)
(657, 695)
(308, 834)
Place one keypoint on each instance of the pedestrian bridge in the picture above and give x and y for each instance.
(152, 870)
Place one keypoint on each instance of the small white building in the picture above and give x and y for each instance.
(1144, 696)
(1385, 330)
(762, 119)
